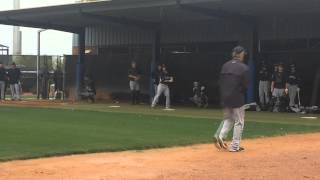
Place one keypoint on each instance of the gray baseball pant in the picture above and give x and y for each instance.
(278, 92)
(155, 88)
(264, 89)
(15, 91)
(292, 94)
(134, 86)
(162, 89)
(233, 117)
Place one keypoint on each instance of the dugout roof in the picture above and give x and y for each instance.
(148, 13)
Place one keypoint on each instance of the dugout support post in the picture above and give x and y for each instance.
(253, 49)
(80, 63)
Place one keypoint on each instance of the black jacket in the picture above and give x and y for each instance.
(293, 79)
(3, 74)
(279, 80)
(14, 75)
(264, 74)
(133, 72)
(234, 81)
(165, 78)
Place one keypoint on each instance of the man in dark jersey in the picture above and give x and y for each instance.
(134, 76)
(278, 87)
(14, 75)
(163, 87)
(264, 85)
(293, 81)
(234, 81)
(156, 78)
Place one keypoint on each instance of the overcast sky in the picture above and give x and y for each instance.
(51, 40)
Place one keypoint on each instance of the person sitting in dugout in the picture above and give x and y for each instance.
(200, 97)
(89, 91)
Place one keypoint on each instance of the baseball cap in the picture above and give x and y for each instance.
(239, 49)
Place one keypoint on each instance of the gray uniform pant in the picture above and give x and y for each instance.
(155, 86)
(233, 117)
(162, 89)
(278, 93)
(264, 89)
(15, 91)
(2, 89)
(134, 86)
(292, 94)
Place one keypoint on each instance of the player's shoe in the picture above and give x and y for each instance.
(219, 143)
(236, 150)
(216, 143)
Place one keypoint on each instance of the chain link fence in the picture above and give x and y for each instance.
(51, 75)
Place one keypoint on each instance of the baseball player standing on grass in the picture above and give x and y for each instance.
(14, 81)
(234, 80)
(134, 76)
(163, 87)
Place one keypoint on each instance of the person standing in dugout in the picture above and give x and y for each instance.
(14, 75)
(234, 81)
(293, 81)
(264, 85)
(275, 71)
(163, 87)
(156, 78)
(58, 83)
(278, 87)
(134, 76)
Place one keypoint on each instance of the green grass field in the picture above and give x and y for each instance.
(27, 132)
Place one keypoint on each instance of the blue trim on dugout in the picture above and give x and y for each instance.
(251, 89)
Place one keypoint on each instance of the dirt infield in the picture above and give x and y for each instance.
(289, 157)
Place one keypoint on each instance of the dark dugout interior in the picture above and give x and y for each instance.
(187, 63)
(194, 62)
(305, 54)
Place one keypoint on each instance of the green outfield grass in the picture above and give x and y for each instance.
(27, 132)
